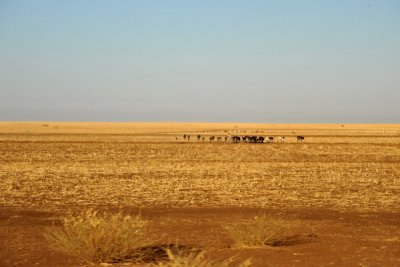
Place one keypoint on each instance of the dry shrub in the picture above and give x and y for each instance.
(197, 259)
(101, 237)
(263, 231)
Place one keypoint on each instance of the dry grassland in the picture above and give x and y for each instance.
(341, 187)
(53, 165)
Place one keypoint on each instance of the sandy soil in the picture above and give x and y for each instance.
(329, 238)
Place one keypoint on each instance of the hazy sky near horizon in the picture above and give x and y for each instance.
(211, 60)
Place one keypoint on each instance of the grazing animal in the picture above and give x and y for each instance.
(270, 139)
(281, 139)
(260, 139)
(219, 138)
(226, 138)
(203, 138)
(252, 139)
(184, 137)
(198, 137)
(235, 139)
(300, 138)
(211, 138)
(188, 138)
(176, 138)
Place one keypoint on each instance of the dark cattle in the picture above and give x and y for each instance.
(270, 139)
(235, 139)
(300, 138)
(252, 139)
(260, 139)
(226, 138)
(188, 137)
(198, 137)
(246, 138)
(219, 138)
(184, 137)
(212, 138)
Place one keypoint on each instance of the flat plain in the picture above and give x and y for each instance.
(342, 182)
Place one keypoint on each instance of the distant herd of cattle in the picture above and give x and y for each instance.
(237, 139)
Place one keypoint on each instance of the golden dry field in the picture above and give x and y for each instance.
(338, 171)
(53, 165)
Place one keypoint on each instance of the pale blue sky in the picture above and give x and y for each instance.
(249, 61)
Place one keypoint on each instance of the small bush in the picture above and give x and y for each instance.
(196, 259)
(263, 231)
(101, 237)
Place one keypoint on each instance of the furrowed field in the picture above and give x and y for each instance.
(342, 182)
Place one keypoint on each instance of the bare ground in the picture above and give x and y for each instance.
(329, 238)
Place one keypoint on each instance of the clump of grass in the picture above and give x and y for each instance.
(96, 237)
(263, 231)
(196, 259)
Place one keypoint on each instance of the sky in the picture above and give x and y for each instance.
(200, 61)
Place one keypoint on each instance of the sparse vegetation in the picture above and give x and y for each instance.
(197, 259)
(96, 237)
(349, 169)
(263, 230)
(140, 164)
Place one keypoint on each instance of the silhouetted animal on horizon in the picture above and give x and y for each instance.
(235, 139)
(260, 139)
(252, 139)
